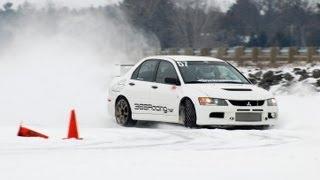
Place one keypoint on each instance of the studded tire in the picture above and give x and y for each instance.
(123, 113)
(188, 114)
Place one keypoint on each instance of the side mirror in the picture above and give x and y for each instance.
(173, 81)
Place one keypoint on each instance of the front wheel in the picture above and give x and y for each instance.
(187, 114)
(123, 113)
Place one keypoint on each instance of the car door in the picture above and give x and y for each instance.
(164, 96)
(139, 86)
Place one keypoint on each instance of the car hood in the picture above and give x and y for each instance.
(232, 91)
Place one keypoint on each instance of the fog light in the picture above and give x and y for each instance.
(216, 115)
(272, 115)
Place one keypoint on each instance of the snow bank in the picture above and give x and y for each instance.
(287, 79)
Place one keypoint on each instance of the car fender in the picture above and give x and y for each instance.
(193, 95)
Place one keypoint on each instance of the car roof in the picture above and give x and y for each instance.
(185, 58)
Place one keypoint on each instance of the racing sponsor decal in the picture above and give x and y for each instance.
(150, 107)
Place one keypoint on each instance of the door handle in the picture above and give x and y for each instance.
(154, 87)
(132, 84)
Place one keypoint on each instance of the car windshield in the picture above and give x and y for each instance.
(210, 72)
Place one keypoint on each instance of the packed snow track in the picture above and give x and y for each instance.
(291, 150)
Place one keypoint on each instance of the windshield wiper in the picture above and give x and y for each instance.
(196, 82)
(203, 82)
(231, 82)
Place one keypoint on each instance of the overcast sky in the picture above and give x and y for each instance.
(68, 3)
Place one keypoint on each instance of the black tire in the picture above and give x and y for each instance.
(123, 113)
(188, 114)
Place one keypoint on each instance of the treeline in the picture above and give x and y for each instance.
(199, 24)
(193, 23)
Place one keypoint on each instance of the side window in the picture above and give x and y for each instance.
(146, 71)
(135, 73)
(165, 70)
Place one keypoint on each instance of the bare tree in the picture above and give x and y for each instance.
(192, 21)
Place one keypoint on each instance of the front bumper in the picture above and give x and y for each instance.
(229, 118)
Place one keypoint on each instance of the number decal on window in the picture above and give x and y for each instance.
(182, 63)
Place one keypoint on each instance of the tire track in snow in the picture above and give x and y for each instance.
(201, 140)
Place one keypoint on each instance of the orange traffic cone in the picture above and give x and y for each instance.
(73, 129)
(26, 132)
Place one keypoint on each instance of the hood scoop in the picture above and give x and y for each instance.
(236, 89)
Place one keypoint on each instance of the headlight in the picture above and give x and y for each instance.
(272, 102)
(212, 101)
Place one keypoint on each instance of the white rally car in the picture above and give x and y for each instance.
(190, 90)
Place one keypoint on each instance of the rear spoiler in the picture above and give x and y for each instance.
(122, 69)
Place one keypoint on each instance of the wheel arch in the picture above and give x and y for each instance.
(122, 96)
(184, 99)
(131, 122)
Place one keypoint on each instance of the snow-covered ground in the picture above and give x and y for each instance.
(163, 151)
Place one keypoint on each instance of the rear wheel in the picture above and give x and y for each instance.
(123, 113)
(187, 114)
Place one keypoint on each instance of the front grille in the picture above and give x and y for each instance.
(248, 117)
(246, 103)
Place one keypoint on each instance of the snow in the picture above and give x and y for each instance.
(291, 150)
(44, 74)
